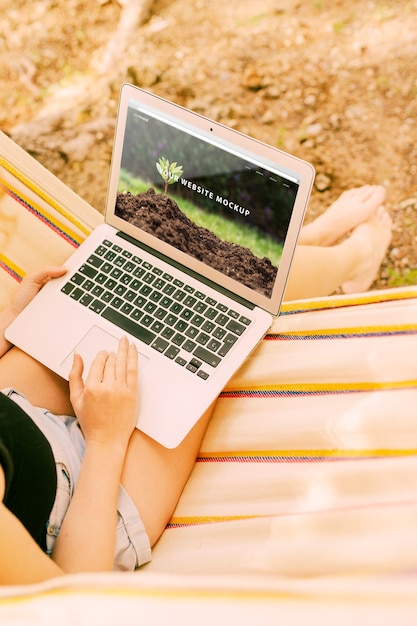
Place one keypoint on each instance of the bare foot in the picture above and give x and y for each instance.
(372, 239)
(351, 209)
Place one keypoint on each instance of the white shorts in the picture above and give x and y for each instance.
(67, 442)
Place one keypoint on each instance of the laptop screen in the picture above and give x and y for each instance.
(222, 205)
(198, 193)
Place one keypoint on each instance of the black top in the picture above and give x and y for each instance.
(29, 467)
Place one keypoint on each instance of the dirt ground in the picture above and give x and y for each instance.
(332, 81)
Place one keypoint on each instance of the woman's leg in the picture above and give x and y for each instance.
(351, 265)
(155, 476)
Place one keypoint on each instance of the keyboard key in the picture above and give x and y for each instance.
(207, 356)
(107, 296)
(88, 270)
(213, 345)
(193, 365)
(160, 344)
(110, 283)
(78, 279)
(171, 352)
(76, 293)
(97, 306)
(219, 332)
(136, 284)
(167, 333)
(197, 320)
(157, 326)
(86, 299)
(176, 308)
(147, 320)
(127, 308)
(139, 272)
(148, 278)
(145, 290)
(202, 338)
(119, 261)
(116, 272)
(178, 339)
(116, 302)
(136, 315)
(211, 313)
(160, 314)
(120, 290)
(186, 314)
(128, 325)
(235, 327)
(97, 291)
(67, 288)
(228, 343)
(171, 320)
(94, 260)
(169, 289)
(221, 319)
(130, 295)
(192, 331)
(208, 327)
(100, 278)
(221, 307)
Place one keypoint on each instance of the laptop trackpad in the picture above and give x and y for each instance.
(95, 340)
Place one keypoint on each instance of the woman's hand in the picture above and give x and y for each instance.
(106, 404)
(31, 284)
(27, 290)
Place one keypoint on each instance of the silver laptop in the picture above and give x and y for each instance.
(191, 263)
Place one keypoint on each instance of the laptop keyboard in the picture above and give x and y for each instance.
(183, 323)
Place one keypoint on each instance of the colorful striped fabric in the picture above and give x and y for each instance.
(36, 224)
(304, 493)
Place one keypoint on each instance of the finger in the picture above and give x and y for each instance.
(75, 378)
(98, 368)
(109, 375)
(121, 359)
(42, 276)
(132, 367)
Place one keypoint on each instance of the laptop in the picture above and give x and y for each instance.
(191, 264)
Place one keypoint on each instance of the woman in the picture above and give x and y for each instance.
(92, 490)
(103, 452)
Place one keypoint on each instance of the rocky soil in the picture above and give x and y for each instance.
(332, 81)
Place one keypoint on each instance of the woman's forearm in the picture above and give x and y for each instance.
(87, 537)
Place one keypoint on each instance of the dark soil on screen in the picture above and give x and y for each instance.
(160, 216)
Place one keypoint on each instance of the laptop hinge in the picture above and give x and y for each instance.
(186, 270)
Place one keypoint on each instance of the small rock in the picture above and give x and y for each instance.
(322, 182)
(313, 130)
